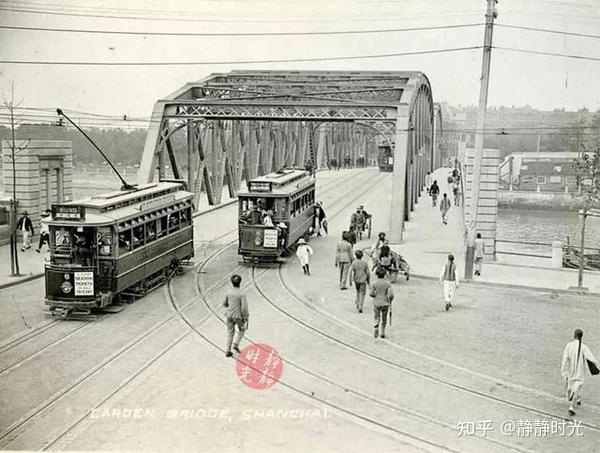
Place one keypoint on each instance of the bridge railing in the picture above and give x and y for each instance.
(535, 248)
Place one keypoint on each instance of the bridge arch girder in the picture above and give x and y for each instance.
(391, 105)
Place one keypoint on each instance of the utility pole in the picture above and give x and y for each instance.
(490, 15)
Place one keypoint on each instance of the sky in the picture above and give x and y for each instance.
(517, 79)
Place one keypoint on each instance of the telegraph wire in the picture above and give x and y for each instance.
(552, 54)
(187, 19)
(546, 30)
(195, 63)
(283, 33)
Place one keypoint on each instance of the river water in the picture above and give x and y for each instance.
(544, 226)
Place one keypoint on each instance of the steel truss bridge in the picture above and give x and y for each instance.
(242, 124)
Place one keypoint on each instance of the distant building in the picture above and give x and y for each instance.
(539, 172)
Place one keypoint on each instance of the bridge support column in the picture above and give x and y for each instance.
(399, 177)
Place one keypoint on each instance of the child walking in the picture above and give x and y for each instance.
(303, 253)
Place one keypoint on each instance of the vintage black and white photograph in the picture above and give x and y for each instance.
(300, 225)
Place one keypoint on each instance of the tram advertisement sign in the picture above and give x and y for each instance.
(270, 239)
(67, 212)
(84, 283)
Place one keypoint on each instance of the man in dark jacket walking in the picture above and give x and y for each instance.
(319, 219)
(25, 225)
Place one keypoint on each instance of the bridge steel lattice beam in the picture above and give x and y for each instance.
(244, 123)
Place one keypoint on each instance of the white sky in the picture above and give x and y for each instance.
(517, 79)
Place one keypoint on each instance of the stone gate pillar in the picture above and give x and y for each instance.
(43, 171)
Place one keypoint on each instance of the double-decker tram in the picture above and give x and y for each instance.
(386, 158)
(119, 244)
(274, 213)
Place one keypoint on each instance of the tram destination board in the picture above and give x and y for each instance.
(260, 186)
(68, 212)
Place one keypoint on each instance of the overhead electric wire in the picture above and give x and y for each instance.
(196, 19)
(196, 63)
(552, 54)
(546, 30)
(276, 33)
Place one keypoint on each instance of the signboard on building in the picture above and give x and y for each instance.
(67, 212)
(84, 283)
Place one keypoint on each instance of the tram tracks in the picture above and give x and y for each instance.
(367, 335)
(59, 396)
(23, 422)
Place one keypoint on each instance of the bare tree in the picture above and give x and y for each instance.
(587, 170)
(15, 150)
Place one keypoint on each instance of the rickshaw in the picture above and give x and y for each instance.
(391, 271)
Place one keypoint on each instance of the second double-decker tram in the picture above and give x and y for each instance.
(274, 213)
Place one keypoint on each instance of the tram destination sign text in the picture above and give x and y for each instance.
(260, 186)
(68, 212)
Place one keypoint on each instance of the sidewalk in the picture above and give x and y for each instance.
(427, 242)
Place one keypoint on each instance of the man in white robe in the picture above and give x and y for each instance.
(574, 362)
(449, 281)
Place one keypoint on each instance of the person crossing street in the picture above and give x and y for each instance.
(383, 295)
(576, 357)
(449, 281)
(236, 314)
(343, 259)
(303, 253)
(360, 275)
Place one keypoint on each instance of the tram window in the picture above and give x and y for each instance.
(138, 236)
(173, 221)
(161, 226)
(124, 241)
(185, 217)
(151, 231)
(280, 210)
(105, 241)
(62, 241)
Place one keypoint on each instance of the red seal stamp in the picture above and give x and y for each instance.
(259, 366)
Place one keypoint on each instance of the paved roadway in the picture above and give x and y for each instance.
(142, 380)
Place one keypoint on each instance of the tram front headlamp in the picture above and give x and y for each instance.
(258, 239)
(66, 287)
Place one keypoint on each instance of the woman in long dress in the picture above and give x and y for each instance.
(303, 253)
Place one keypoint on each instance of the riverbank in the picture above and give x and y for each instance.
(539, 200)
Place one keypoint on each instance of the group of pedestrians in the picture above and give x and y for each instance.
(25, 227)
(354, 269)
(433, 189)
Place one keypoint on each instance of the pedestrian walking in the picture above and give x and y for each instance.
(351, 235)
(575, 358)
(236, 314)
(382, 294)
(343, 259)
(25, 225)
(304, 253)
(445, 206)
(449, 281)
(428, 181)
(319, 219)
(44, 233)
(479, 252)
(434, 191)
(456, 192)
(360, 275)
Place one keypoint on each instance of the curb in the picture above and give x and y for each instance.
(22, 280)
(570, 292)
